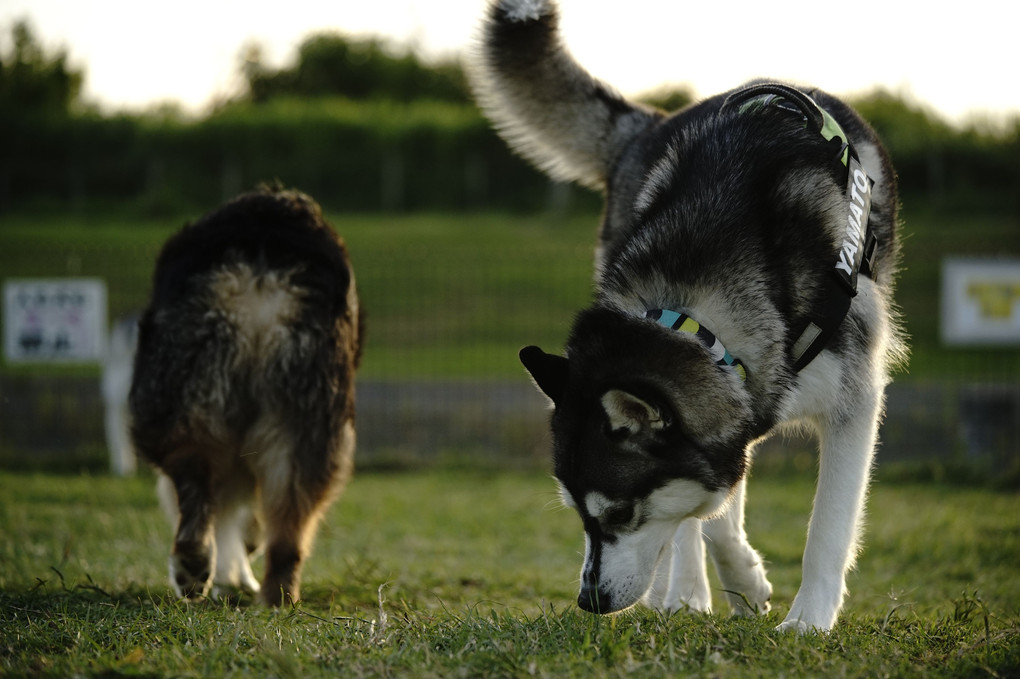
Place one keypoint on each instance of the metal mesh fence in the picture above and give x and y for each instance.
(440, 375)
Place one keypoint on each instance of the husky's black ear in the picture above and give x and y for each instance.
(628, 412)
(549, 371)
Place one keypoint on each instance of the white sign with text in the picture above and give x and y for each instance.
(54, 319)
(981, 302)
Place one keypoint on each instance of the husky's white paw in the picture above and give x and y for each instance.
(752, 598)
(684, 594)
(700, 602)
(797, 627)
(814, 610)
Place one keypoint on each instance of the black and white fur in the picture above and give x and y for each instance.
(734, 218)
(243, 389)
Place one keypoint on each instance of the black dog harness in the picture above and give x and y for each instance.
(857, 251)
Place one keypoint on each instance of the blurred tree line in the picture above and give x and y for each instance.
(329, 64)
(34, 82)
(363, 126)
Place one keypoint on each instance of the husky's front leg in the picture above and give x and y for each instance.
(681, 581)
(846, 452)
(740, 568)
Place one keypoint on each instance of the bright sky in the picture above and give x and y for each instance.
(960, 58)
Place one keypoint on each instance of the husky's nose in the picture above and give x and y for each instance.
(593, 599)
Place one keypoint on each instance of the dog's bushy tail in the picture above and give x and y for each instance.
(548, 108)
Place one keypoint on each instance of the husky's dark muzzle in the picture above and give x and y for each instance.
(593, 599)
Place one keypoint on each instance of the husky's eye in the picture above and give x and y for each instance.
(618, 516)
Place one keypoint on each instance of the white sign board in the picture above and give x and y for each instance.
(54, 319)
(981, 302)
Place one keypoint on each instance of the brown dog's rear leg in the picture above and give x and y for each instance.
(193, 556)
(291, 527)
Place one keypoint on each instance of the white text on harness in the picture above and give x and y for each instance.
(860, 204)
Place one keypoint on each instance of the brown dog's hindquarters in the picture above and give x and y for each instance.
(243, 390)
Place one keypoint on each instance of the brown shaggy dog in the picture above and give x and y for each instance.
(243, 389)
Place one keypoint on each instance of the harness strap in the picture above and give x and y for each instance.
(855, 255)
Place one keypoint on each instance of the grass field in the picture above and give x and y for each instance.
(467, 573)
(456, 573)
(458, 295)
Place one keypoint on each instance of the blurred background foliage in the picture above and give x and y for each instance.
(463, 252)
(365, 126)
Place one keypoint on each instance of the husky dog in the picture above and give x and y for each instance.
(736, 234)
(243, 389)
